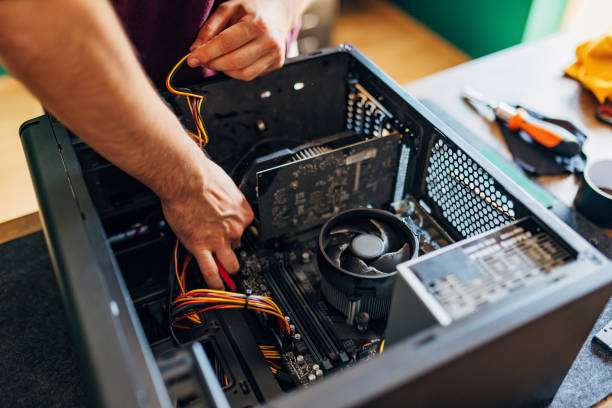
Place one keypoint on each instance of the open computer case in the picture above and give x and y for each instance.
(412, 271)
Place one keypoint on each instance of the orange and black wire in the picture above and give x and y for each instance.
(270, 353)
(182, 280)
(194, 102)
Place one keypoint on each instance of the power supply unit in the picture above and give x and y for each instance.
(402, 267)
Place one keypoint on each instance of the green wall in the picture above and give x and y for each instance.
(480, 27)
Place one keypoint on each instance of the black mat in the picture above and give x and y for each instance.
(38, 366)
(590, 378)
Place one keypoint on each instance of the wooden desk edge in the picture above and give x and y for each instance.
(20, 226)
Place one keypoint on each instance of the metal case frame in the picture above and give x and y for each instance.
(516, 350)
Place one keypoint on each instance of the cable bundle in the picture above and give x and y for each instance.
(194, 102)
(188, 304)
(197, 301)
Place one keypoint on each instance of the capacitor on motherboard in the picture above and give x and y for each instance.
(297, 337)
(315, 367)
(311, 377)
(319, 373)
(300, 359)
(292, 328)
(305, 257)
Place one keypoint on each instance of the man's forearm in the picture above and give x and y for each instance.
(76, 59)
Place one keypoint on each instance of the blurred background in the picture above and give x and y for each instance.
(408, 39)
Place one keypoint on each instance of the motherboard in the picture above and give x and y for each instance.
(321, 340)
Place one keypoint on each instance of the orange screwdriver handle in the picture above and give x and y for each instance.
(545, 133)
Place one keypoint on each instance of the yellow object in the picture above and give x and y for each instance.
(593, 67)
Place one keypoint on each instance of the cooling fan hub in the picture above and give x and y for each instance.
(367, 246)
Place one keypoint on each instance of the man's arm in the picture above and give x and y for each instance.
(246, 38)
(74, 56)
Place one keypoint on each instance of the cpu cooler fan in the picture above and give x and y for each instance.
(358, 252)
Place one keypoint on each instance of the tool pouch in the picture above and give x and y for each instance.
(537, 159)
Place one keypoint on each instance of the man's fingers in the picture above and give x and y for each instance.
(214, 24)
(263, 65)
(228, 259)
(227, 41)
(209, 270)
(244, 56)
(247, 211)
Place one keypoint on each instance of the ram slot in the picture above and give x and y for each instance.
(311, 326)
(288, 309)
(327, 331)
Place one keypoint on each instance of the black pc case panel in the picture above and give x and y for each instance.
(107, 333)
(515, 350)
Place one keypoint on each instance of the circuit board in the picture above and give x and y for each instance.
(303, 193)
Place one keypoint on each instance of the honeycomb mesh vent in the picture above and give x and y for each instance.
(467, 196)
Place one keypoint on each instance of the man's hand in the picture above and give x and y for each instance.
(246, 38)
(209, 220)
(203, 206)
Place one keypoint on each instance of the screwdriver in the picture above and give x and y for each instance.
(556, 138)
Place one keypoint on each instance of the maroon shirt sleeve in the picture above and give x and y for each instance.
(162, 31)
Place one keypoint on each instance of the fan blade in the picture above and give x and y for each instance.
(335, 252)
(338, 239)
(348, 229)
(356, 265)
(342, 234)
(390, 236)
(386, 263)
(381, 234)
